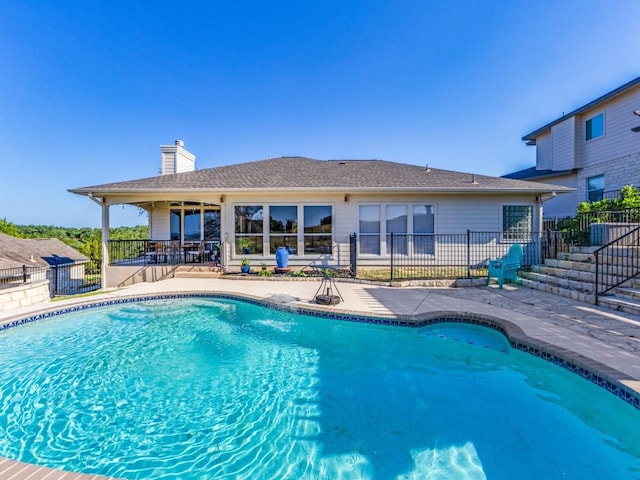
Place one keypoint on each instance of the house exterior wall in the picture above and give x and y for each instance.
(544, 152)
(454, 214)
(563, 205)
(616, 154)
(563, 140)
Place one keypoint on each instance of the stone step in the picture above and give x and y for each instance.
(564, 283)
(571, 265)
(629, 293)
(620, 304)
(557, 290)
(577, 257)
(580, 275)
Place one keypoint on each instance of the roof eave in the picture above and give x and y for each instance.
(607, 96)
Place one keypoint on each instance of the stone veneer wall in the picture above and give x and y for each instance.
(617, 173)
(24, 295)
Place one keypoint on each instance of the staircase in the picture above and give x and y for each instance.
(572, 275)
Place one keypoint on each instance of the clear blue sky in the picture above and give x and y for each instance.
(89, 90)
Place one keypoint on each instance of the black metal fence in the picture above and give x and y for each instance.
(464, 255)
(64, 279)
(617, 262)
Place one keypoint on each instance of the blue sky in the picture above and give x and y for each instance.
(90, 89)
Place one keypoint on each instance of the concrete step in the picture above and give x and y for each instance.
(197, 275)
(577, 257)
(197, 271)
(557, 290)
(632, 294)
(564, 283)
(621, 304)
(571, 265)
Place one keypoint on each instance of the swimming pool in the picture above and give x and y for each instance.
(211, 388)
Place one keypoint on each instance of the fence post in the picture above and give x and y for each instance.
(391, 247)
(468, 253)
(24, 274)
(353, 254)
(596, 254)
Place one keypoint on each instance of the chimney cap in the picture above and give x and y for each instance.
(180, 143)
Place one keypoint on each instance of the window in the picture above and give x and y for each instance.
(595, 188)
(318, 221)
(594, 127)
(396, 216)
(423, 230)
(193, 222)
(517, 222)
(369, 223)
(249, 229)
(283, 228)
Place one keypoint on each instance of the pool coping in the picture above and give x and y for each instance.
(602, 375)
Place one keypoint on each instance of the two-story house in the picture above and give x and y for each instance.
(594, 149)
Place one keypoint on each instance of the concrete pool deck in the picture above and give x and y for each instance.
(598, 338)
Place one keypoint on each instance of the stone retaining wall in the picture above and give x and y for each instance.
(24, 295)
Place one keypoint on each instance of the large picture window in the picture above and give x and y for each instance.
(396, 216)
(318, 221)
(193, 222)
(369, 224)
(283, 228)
(517, 222)
(423, 230)
(249, 229)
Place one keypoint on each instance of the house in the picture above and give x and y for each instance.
(313, 206)
(594, 149)
(46, 258)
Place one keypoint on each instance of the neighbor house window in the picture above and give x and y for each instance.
(283, 227)
(369, 223)
(595, 188)
(318, 221)
(175, 222)
(594, 127)
(249, 229)
(517, 222)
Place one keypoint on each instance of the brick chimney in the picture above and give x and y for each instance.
(175, 159)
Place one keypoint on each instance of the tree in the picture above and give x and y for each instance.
(9, 228)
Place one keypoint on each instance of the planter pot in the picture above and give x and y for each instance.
(282, 257)
(245, 268)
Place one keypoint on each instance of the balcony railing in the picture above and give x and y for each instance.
(161, 252)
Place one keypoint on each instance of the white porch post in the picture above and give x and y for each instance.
(105, 242)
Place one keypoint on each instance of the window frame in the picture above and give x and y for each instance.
(407, 245)
(589, 130)
(592, 190)
(516, 235)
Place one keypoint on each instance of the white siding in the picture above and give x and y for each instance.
(618, 140)
(563, 205)
(159, 223)
(563, 145)
(544, 152)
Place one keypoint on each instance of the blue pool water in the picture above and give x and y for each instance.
(204, 388)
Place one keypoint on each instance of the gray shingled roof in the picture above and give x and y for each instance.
(300, 173)
(40, 252)
(532, 173)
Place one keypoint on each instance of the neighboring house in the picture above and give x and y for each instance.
(594, 149)
(44, 253)
(313, 206)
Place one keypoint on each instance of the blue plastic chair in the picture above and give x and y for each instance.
(506, 268)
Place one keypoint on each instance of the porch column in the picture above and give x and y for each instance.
(105, 242)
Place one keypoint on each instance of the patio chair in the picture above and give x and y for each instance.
(197, 252)
(506, 268)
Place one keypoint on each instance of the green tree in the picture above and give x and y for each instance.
(9, 228)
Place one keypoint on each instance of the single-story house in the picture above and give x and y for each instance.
(40, 255)
(314, 206)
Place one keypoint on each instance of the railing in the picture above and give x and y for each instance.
(160, 252)
(12, 277)
(617, 262)
(64, 279)
(464, 255)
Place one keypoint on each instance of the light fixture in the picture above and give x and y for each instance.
(346, 198)
(221, 198)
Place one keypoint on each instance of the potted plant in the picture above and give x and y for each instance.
(244, 265)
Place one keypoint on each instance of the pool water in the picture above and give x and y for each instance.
(204, 388)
